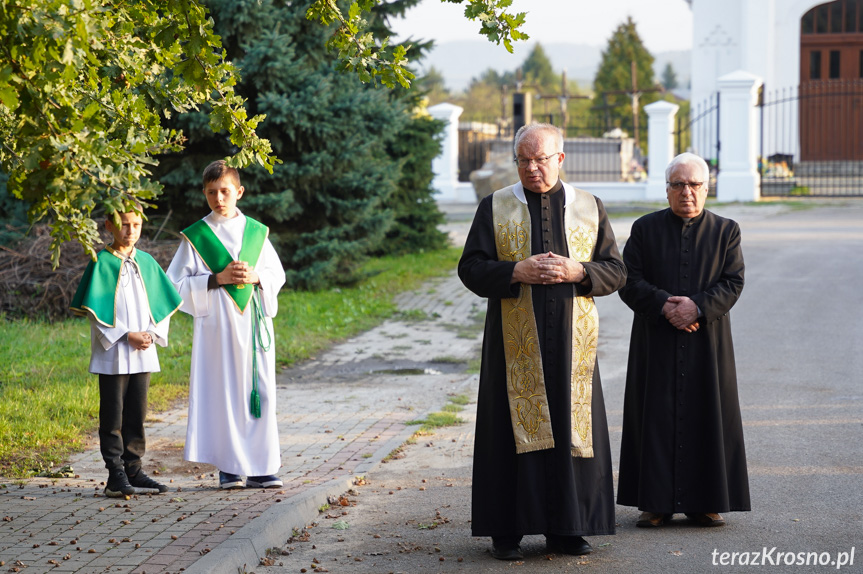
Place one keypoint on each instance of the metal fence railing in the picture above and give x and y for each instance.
(811, 141)
(590, 153)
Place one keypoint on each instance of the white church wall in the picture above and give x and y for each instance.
(716, 44)
(761, 37)
(758, 38)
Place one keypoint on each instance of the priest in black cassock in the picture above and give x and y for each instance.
(540, 250)
(682, 447)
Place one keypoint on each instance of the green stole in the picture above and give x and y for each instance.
(97, 290)
(216, 257)
(531, 422)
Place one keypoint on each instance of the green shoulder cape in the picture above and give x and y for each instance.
(97, 291)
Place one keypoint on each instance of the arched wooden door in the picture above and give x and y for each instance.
(831, 82)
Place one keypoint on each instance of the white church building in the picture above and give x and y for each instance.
(774, 40)
(807, 53)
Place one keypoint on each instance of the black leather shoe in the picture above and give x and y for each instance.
(572, 545)
(506, 549)
(141, 481)
(118, 484)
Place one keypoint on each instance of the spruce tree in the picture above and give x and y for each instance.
(415, 212)
(669, 77)
(615, 75)
(537, 70)
(416, 215)
(335, 198)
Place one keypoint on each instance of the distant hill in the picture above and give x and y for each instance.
(459, 62)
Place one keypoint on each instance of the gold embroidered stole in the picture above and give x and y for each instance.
(531, 422)
(582, 226)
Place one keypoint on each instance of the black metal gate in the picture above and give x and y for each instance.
(812, 140)
(475, 142)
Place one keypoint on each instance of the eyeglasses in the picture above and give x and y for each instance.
(680, 185)
(524, 162)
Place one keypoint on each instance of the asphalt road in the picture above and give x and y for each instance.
(798, 334)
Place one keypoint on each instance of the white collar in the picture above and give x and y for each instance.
(568, 190)
(219, 219)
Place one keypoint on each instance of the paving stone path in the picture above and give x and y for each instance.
(339, 416)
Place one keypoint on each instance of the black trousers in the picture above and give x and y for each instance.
(122, 410)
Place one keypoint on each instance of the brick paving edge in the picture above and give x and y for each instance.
(244, 549)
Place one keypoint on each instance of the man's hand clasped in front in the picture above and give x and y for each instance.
(548, 269)
(682, 313)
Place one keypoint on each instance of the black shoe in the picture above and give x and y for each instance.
(506, 548)
(141, 480)
(268, 481)
(228, 480)
(572, 545)
(118, 484)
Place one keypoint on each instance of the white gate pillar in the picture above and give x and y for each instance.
(738, 153)
(660, 146)
(447, 187)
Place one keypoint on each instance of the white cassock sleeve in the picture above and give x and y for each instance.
(272, 276)
(160, 329)
(190, 276)
(107, 336)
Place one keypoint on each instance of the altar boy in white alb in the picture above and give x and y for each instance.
(229, 276)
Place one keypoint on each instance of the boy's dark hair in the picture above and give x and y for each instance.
(219, 169)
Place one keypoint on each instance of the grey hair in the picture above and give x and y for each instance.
(687, 158)
(528, 129)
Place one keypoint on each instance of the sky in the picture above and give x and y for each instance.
(664, 25)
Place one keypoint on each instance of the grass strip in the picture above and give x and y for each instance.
(446, 417)
(49, 403)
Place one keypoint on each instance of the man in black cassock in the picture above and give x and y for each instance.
(539, 251)
(682, 447)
